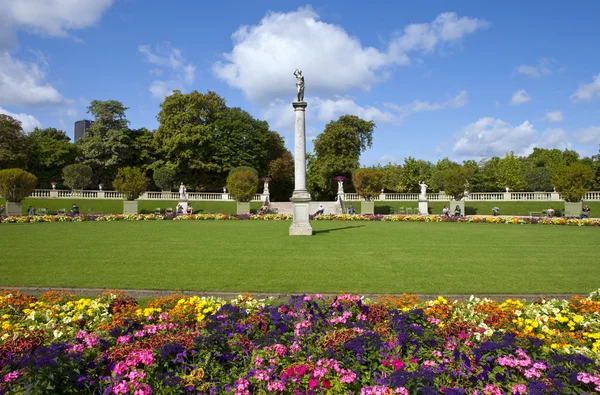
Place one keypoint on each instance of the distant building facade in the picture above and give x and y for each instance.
(81, 127)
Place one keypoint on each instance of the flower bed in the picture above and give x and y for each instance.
(310, 345)
(286, 217)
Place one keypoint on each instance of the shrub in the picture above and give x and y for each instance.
(242, 183)
(16, 184)
(131, 181)
(368, 182)
(164, 178)
(77, 176)
(573, 181)
(455, 179)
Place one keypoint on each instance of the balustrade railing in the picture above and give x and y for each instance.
(199, 196)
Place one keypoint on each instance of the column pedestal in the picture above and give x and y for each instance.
(300, 198)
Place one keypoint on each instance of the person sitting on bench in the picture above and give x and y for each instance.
(321, 210)
(550, 212)
(457, 211)
(585, 211)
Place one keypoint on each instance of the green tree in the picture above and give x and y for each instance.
(455, 179)
(573, 181)
(16, 184)
(538, 179)
(108, 144)
(77, 176)
(164, 178)
(509, 173)
(13, 143)
(368, 182)
(242, 183)
(281, 171)
(337, 153)
(437, 173)
(50, 150)
(130, 181)
(413, 172)
(392, 177)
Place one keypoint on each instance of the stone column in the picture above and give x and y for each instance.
(300, 198)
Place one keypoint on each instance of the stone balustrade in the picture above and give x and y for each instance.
(217, 196)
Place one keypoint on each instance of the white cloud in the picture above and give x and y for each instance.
(587, 91)
(553, 138)
(24, 84)
(520, 97)
(553, 116)
(28, 122)
(389, 158)
(52, 17)
(460, 100)
(488, 137)
(167, 58)
(330, 109)
(542, 69)
(264, 56)
(589, 136)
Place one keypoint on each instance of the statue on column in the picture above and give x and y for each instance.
(299, 84)
(423, 189)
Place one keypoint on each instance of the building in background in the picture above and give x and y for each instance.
(81, 127)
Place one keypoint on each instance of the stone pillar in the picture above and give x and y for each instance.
(300, 198)
(53, 193)
(423, 205)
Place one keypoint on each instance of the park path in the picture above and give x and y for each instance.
(150, 293)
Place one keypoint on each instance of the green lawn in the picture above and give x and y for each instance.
(259, 256)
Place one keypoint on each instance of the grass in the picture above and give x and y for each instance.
(108, 206)
(259, 256)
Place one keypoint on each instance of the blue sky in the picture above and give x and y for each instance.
(466, 79)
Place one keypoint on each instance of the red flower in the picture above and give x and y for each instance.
(326, 383)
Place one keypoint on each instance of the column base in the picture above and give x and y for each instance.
(300, 223)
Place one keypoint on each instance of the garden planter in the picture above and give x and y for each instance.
(13, 208)
(243, 207)
(573, 209)
(460, 204)
(367, 207)
(130, 207)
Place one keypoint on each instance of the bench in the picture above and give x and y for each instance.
(537, 213)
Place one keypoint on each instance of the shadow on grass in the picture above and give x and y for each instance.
(315, 232)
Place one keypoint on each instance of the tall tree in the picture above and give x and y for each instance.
(281, 171)
(509, 173)
(107, 145)
(13, 143)
(202, 139)
(392, 177)
(50, 150)
(437, 173)
(413, 172)
(337, 152)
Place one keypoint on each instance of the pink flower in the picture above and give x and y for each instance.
(123, 339)
(519, 389)
(312, 383)
(11, 376)
(143, 389)
(121, 388)
(491, 389)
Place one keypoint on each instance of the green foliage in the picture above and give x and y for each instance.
(131, 181)
(538, 179)
(16, 184)
(164, 178)
(392, 177)
(77, 176)
(455, 179)
(13, 143)
(437, 173)
(108, 144)
(242, 184)
(368, 182)
(573, 181)
(50, 150)
(337, 153)
(281, 170)
(413, 172)
(509, 173)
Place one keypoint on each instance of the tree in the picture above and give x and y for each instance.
(16, 184)
(77, 176)
(337, 153)
(281, 171)
(413, 172)
(13, 143)
(50, 150)
(392, 177)
(108, 144)
(573, 181)
(202, 139)
(509, 173)
(242, 184)
(538, 179)
(437, 173)
(368, 182)
(164, 178)
(130, 181)
(455, 179)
